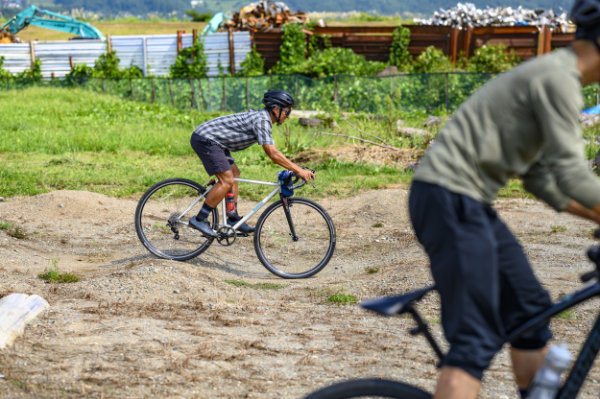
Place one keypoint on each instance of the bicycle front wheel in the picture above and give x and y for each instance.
(161, 219)
(297, 244)
(369, 388)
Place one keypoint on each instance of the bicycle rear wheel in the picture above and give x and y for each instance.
(161, 224)
(369, 388)
(297, 256)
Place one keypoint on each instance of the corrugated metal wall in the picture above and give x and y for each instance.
(154, 54)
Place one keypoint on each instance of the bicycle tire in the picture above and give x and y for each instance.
(369, 388)
(160, 226)
(300, 258)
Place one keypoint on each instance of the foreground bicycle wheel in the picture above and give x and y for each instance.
(369, 388)
(298, 257)
(161, 225)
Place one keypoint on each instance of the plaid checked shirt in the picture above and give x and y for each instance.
(239, 131)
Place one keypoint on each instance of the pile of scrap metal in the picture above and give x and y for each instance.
(467, 15)
(264, 16)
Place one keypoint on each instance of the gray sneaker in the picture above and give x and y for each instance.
(203, 227)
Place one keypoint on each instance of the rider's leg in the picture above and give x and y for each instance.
(224, 184)
(455, 383)
(525, 364)
(236, 174)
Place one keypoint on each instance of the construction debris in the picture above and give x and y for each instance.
(7, 37)
(467, 15)
(264, 16)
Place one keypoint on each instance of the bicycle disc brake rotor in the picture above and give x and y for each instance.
(227, 236)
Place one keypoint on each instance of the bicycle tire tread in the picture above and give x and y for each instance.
(369, 387)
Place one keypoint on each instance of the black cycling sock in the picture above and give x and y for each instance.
(524, 393)
(204, 212)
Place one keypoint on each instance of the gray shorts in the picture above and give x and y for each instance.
(214, 158)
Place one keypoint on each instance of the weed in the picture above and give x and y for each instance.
(19, 384)
(12, 230)
(557, 229)
(342, 299)
(377, 225)
(371, 269)
(256, 286)
(568, 314)
(53, 275)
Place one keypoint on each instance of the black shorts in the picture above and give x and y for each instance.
(486, 284)
(214, 158)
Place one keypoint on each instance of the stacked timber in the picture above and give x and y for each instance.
(264, 16)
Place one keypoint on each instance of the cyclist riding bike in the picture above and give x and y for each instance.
(524, 123)
(213, 142)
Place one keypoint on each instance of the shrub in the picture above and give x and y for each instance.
(34, 73)
(191, 62)
(492, 59)
(292, 50)
(399, 54)
(337, 61)
(253, 64)
(432, 60)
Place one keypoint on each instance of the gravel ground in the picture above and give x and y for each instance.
(138, 327)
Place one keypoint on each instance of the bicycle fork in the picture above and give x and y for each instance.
(288, 216)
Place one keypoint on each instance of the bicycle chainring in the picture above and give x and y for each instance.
(227, 236)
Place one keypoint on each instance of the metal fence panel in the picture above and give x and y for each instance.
(153, 54)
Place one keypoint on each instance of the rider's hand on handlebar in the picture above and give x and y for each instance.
(306, 174)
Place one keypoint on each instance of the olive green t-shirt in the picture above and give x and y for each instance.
(524, 123)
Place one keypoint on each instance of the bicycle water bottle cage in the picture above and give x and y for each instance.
(285, 181)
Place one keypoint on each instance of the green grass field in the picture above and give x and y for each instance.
(54, 139)
(72, 139)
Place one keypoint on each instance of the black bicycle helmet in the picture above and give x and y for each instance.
(585, 14)
(278, 98)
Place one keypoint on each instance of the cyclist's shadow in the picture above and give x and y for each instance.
(210, 261)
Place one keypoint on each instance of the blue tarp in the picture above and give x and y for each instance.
(594, 110)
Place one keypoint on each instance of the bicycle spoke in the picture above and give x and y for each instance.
(162, 227)
(308, 252)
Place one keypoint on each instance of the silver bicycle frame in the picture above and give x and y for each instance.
(256, 208)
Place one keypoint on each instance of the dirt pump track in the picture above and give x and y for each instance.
(138, 327)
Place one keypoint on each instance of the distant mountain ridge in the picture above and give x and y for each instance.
(177, 8)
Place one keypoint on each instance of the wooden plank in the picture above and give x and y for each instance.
(504, 30)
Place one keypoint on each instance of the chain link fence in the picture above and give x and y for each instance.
(431, 93)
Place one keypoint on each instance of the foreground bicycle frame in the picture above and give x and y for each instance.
(301, 238)
(397, 305)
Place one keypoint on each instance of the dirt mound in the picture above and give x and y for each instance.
(401, 158)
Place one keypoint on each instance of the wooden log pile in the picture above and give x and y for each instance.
(264, 16)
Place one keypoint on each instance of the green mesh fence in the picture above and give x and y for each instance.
(374, 95)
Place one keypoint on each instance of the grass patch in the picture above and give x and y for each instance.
(12, 230)
(558, 229)
(342, 299)
(569, 314)
(256, 286)
(52, 275)
(81, 140)
(371, 270)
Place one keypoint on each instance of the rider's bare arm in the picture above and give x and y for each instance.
(575, 208)
(281, 160)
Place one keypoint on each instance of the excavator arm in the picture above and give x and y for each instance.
(50, 20)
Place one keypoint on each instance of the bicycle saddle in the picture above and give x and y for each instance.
(393, 305)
